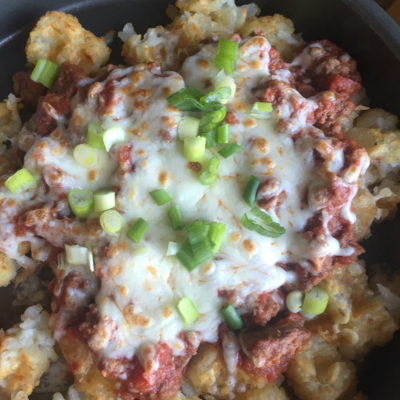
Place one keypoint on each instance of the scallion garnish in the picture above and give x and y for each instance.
(210, 120)
(104, 200)
(188, 311)
(176, 219)
(227, 55)
(160, 196)
(81, 202)
(211, 138)
(111, 221)
(20, 182)
(199, 242)
(45, 72)
(230, 150)
(208, 177)
(271, 229)
(232, 317)
(223, 134)
(294, 301)
(221, 80)
(315, 301)
(221, 93)
(188, 127)
(216, 233)
(188, 99)
(186, 257)
(95, 136)
(261, 110)
(84, 154)
(251, 191)
(137, 230)
(76, 255)
(194, 148)
(113, 136)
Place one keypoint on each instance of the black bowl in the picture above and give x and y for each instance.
(358, 26)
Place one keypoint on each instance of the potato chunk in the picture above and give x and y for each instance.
(59, 37)
(7, 271)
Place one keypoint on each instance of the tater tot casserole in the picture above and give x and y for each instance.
(199, 211)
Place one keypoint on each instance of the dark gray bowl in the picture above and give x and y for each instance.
(358, 26)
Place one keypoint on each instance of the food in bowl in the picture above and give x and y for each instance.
(200, 208)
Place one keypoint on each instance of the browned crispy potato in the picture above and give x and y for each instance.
(59, 37)
(7, 271)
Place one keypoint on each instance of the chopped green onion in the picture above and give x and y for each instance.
(111, 221)
(188, 99)
(315, 301)
(210, 120)
(201, 246)
(76, 254)
(227, 55)
(232, 317)
(194, 148)
(216, 233)
(95, 136)
(230, 150)
(261, 110)
(20, 182)
(142, 250)
(186, 257)
(90, 258)
(160, 196)
(293, 301)
(221, 80)
(104, 200)
(223, 134)
(81, 202)
(62, 262)
(45, 72)
(221, 93)
(271, 229)
(113, 136)
(251, 191)
(173, 248)
(208, 177)
(84, 154)
(188, 127)
(137, 230)
(176, 219)
(211, 138)
(188, 311)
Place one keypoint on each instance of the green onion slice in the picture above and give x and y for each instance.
(160, 196)
(20, 182)
(221, 93)
(90, 258)
(315, 301)
(76, 255)
(210, 120)
(271, 229)
(230, 150)
(261, 110)
(200, 243)
(113, 136)
(294, 301)
(186, 257)
(223, 134)
(188, 127)
(104, 200)
(188, 99)
(194, 148)
(227, 55)
(215, 233)
(137, 230)
(84, 154)
(251, 190)
(81, 202)
(221, 80)
(63, 263)
(45, 72)
(211, 138)
(173, 248)
(208, 177)
(95, 136)
(175, 217)
(188, 311)
(111, 221)
(232, 317)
